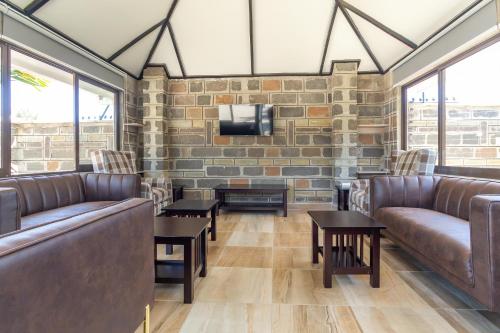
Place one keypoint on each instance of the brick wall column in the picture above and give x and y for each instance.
(345, 120)
(155, 102)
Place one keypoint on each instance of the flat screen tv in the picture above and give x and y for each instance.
(246, 119)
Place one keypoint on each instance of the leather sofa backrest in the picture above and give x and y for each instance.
(402, 191)
(40, 193)
(454, 195)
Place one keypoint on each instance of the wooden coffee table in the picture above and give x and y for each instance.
(195, 208)
(346, 256)
(192, 234)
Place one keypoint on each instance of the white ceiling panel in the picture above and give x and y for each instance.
(386, 48)
(415, 20)
(165, 54)
(289, 35)
(344, 44)
(213, 36)
(21, 3)
(103, 26)
(135, 57)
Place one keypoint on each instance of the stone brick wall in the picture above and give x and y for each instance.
(131, 121)
(371, 101)
(325, 129)
(181, 131)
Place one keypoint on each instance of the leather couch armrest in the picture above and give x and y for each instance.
(10, 210)
(402, 191)
(111, 187)
(485, 242)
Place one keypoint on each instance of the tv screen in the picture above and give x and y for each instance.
(246, 119)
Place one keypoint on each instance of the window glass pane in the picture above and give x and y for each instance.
(42, 117)
(422, 114)
(473, 110)
(97, 118)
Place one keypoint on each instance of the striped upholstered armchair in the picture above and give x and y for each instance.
(122, 162)
(419, 162)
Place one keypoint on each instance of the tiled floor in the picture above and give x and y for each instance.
(260, 279)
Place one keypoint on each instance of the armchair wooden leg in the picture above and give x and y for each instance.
(146, 319)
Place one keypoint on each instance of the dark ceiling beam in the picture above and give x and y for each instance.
(360, 37)
(34, 6)
(379, 25)
(160, 35)
(176, 49)
(327, 42)
(250, 20)
(135, 40)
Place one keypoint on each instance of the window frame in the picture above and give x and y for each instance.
(440, 71)
(5, 66)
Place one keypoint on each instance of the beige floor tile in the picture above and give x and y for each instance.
(237, 294)
(294, 257)
(226, 226)
(393, 291)
(255, 223)
(292, 226)
(469, 321)
(240, 238)
(313, 318)
(298, 239)
(214, 253)
(398, 260)
(437, 292)
(236, 285)
(168, 316)
(222, 237)
(236, 256)
(400, 320)
(228, 318)
(302, 286)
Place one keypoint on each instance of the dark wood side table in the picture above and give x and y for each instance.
(195, 208)
(192, 234)
(261, 189)
(346, 255)
(177, 193)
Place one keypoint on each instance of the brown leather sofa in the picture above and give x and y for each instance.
(450, 224)
(82, 259)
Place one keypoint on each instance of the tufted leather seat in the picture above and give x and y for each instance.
(451, 224)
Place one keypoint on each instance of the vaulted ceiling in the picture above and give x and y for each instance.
(198, 38)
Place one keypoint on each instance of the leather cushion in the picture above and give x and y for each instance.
(57, 214)
(442, 238)
(454, 195)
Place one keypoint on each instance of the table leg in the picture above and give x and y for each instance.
(217, 197)
(204, 252)
(189, 253)
(315, 248)
(327, 259)
(375, 259)
(213, 223)
(285, 203)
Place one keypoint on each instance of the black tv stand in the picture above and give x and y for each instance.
(264, 190)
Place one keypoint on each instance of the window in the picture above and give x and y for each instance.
(51, 116)
(42, 121)
(473, 110)
(456, 110)
(97, 119)
(422, 114)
